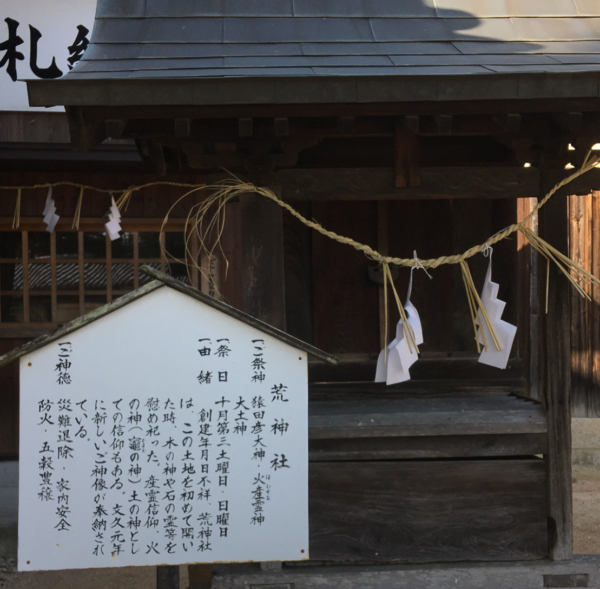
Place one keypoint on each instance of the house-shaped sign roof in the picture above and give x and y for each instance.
(215, 52)
(163, 281)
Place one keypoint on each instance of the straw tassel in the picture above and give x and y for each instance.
(77, 216)
(565, 264)
(17, 216)
(410, 336)
(125, 198)
(476, 307)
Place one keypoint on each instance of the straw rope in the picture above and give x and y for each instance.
(234, 187)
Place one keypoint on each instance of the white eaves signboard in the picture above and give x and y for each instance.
(164, 432)
(39, 39)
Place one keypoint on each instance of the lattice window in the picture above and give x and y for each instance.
(48, 279)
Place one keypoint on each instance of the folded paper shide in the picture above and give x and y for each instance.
(113, 227)
(505, 332)
(393, 363)
(50, 216)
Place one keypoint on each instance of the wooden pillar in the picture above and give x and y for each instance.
(262, 260)
(556, 381)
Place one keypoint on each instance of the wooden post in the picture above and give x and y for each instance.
(556, 381)
(407, 156)
(263, 280)
(262, 260)
(383, 249)
(167, 577)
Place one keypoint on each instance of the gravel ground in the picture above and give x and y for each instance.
(586, 510)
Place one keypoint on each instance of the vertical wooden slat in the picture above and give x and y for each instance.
(406, 157)
(297, 242)
(25, 260)
(594, 400)
(383, 249)
(136, 260)
(262, 260)
(580, 250)
(345, 304)
(554, 220)
(535, 365)
(53, 278)
(528, 299)
(81, 262)
(523, 285)
(109, 284)
(231, 272)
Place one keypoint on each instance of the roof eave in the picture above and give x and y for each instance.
(312, 89)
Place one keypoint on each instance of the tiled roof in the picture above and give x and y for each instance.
(251, 38)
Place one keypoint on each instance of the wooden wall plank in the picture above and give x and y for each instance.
(556, 373)
(345, 312)
(9, 402)
(593, 403)
(472, 224)
(34, 127)
(479, 510)
(425, 226)
(383, 247)
(379, 183)
(528, 314)
(298, 274)
(423, 447)
(580, 251)
(263, 279)
(231, 266)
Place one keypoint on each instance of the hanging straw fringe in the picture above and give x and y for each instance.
(567, 266)
(77, 216)
(408, 332)
(476, 307)
(125, 198)
(17, 215)
(234, 187)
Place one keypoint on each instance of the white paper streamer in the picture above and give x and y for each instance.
(113, 227)
(50, 216)
(394, 368)
(504, 331)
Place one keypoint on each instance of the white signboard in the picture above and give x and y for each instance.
(40, 39)
(163, 433)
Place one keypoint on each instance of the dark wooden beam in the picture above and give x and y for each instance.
(115, 128)
(157, 157)
(346, 125)
(245, 127)
(411, 124)
(380, 183)
(183, 128)
(406, 157)
(85, 134)
(263, 282)
(571, 122)
(390, 109)
(509, 123)
(443, 124)
(556, 380)
(282, 127)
